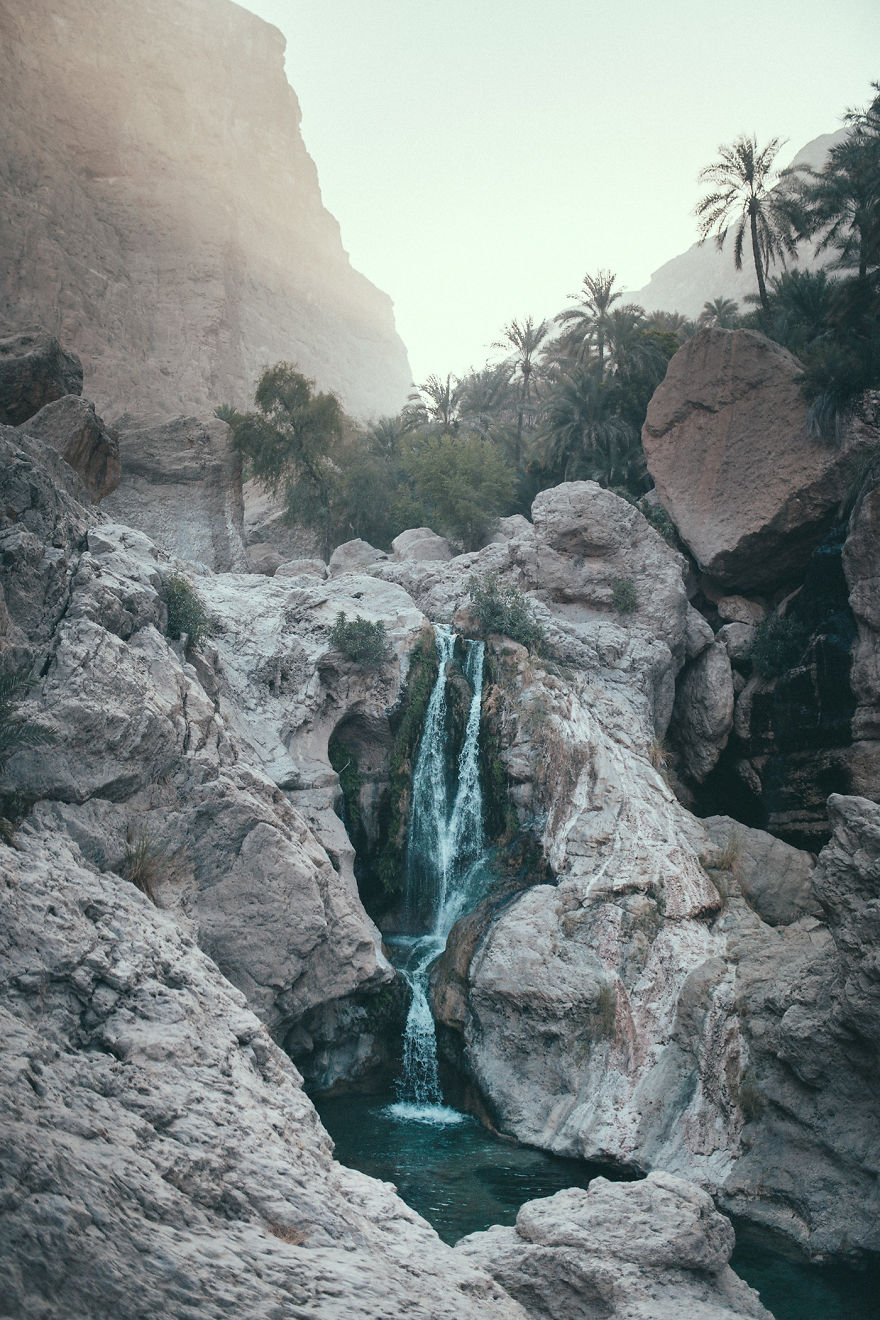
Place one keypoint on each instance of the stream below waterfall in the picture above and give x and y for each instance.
(461, 1177)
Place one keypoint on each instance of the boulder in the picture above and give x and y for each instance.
(751, 490)
(774, 878)
(354, 557)
(703, 713)
(72, 427)
(263, 558)
(737, 609)
(420, 543)
(314, 568)
(656, 1248)
(146, 1110)
(181, 484)
(34, 370)
(737, 639)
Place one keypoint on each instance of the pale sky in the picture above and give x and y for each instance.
(481, 155)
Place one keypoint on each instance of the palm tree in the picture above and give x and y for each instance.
(584, 433)
(525, 338)
(435, 400)
(720, 314)
(742, 193)
(842, 200)
(587, 321)
(488, 403)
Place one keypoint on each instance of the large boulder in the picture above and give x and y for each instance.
(751, 489)
(420, 543)
(34, 370)
(72, 427)
(158, 1154)
(181, 484)
(774, 878)
(656, 1248)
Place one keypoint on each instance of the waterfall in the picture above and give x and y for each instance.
(445, 868)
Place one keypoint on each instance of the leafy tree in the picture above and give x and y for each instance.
(292, 444)
(587, 321)
(742, 195)
(435, 401)
(187, 615)
(720, 313)
(461, 484)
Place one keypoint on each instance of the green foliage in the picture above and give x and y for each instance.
(660, 520)
(504, 609)
(186, 612)
(778, 645)
(360, 640)
(460, 484)
(624, 596)
(345, 763)
(410, 718)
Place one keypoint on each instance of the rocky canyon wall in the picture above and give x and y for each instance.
(161, 214)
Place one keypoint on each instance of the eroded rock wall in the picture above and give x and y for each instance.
(160, 212)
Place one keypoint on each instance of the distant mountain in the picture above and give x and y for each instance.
(702, 273)
(159, 211)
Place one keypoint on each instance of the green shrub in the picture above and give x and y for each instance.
(503, 609)
(360, 640)
(186, 613)
(623, 595)
(778, 645)
(660, 520)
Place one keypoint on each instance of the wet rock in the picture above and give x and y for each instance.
(750, 489)
(34, 370)
(73, 429)
(654, 1248)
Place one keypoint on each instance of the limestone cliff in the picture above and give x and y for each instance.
(161, 214)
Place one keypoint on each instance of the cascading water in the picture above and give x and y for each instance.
(445, 870)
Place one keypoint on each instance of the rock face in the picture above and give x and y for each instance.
(160, 211)
(750, 490)
(151, 753)
(655, 1248)
(862, 569)
(147, 1113)
(34, 370)
(181, 484)
(72, 427)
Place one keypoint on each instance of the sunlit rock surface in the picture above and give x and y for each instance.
(160, 212)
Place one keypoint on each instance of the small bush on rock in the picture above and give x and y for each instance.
(363, 642)
(186, 612)
(624, 597)
(144, 863)
(503, 609)
(777, 645)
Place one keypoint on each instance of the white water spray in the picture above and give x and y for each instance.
(445, 870)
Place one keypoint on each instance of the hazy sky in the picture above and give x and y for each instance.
(481, 155)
